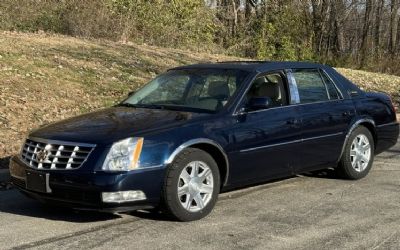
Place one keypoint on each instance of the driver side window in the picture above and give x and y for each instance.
(272, 86)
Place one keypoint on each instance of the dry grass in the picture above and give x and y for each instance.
(374, 82)
(44, 78)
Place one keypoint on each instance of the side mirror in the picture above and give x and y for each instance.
(257, 103)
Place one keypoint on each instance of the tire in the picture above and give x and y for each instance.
(198, 189)
(354, 164)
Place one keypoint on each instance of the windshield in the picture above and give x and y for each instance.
(201, 90)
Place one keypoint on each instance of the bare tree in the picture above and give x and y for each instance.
(394, 7)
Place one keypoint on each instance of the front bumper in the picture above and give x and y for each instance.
(82, 190)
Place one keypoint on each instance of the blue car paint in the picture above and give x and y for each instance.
(256, 146)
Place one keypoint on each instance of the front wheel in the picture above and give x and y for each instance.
(192, 185)
(358, 154)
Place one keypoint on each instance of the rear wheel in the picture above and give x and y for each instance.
(192, 185)
(358, 154)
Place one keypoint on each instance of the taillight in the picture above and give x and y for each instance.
(393, 106)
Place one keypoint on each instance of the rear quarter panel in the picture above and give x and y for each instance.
(377, 106)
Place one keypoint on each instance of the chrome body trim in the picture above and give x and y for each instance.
(68, 143)
(387, 124)
(139, 169)
(322, 136)
(291, 142)
(354, 126)
(146, 168)
(30, 158)
(189, 143)
(48, 189)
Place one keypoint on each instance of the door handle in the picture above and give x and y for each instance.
(346, 113)
(293, 122)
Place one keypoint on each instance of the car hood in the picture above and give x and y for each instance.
(112, 124)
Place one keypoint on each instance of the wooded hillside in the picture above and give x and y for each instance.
(362, 34)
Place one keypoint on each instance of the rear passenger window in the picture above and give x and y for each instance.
(314, 87)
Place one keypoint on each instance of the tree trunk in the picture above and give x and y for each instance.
(338, 18)
(366, 29)
(378, 21)
(320, 16)
(235, 17)
(394, 7)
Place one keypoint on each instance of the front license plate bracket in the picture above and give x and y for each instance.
(38, 181)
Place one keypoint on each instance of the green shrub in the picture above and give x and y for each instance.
(174, 23)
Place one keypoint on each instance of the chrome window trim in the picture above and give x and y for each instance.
(354, 126)
(334, 83)
(325, 84)
(192, 142)
(288, 106)
(293, 90)
(263, 110)
(291, 142)
(323, 81)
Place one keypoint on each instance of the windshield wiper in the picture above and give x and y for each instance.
(166, 107)
(125, 104)
(146, 106)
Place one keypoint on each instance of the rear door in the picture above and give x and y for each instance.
(326, 115)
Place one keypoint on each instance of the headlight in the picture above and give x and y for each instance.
(124, 155)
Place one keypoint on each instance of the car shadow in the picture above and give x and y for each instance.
(328, 173)
(18, 204)
(152, 215)
(241, 191)
(4, 161)
(13, 202)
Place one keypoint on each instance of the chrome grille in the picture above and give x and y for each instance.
(57, 155)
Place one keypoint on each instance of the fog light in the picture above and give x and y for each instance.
(123, 196)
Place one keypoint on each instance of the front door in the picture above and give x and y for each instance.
(265, 141)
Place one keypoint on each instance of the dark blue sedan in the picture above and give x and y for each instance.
(197, 130)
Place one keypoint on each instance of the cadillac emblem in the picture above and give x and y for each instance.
(42, 155)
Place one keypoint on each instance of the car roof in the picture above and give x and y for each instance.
(252, 65)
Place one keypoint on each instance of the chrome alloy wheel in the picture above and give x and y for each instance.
(360, 153)
(195, 186)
